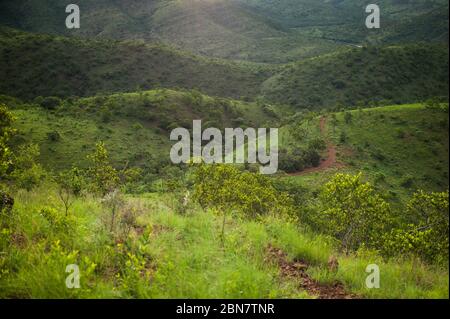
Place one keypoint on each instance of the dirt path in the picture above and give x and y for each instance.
(297, 270)
(329, 162)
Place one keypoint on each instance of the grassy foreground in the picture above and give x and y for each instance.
(164, 254)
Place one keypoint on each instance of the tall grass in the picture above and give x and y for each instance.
(168, 255)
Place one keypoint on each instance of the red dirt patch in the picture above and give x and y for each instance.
(329, 162)
(297, 269)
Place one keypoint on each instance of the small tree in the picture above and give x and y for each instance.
(27, 172)
(228, 189)
(352, 212)
(6, 131)
(103, 176)
(70, 184)
(428, 235)
(114, 201)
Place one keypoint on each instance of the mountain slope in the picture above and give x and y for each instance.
(343, 20)
(399, 73)
(215, 28)
(39, 65)
(33, 65)
(261, 31)
(134, 126)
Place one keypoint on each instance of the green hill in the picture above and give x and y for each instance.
(343, 20)
(134, 126)
(215, 28)
(33, 65)
(399, 74)
(86, 178)
(400, 148)
(261, 31)
(39, 65)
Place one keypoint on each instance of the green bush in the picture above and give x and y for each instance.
(351, 211)
(53, 136)
(428, 236)
(103, 177)
(225, 187)
(6, 131)
(27, 173)
(51, 102)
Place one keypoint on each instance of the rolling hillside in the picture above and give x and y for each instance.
(399, 148)
(134, 126)
(40, 65)
(33, 65)
(360, 198)
(399, 74)
(343, 20)
(261, 31)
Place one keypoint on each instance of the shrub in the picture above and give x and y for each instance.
(318, 144)
(428, 236)
(6, 131)
(407, 181)
(58, 222)
(352, 212)
(53, 136)
(27, 173)
(312, 157)
(433, 104)
(51, 102)
(105, 114)
(343, 137)
(401, 134)
(225, 187)
(102, 175)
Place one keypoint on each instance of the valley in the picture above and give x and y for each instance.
(86, 176)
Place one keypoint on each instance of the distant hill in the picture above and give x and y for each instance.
(399, 74)
(344, 20)
(269, 31)
(33, 65)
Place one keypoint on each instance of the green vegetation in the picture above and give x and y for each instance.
(86, 179)
(68, 133)
(77, 67)
(401, 148)
(253, 30)
(367, 76)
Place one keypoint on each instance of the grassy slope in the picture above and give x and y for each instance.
(168, 255)
(403, 148)
(134, 126)
(33, 65)
(400, 73)
(398, 148)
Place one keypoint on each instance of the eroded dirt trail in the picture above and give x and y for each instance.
(330, 161)
(297, 270)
